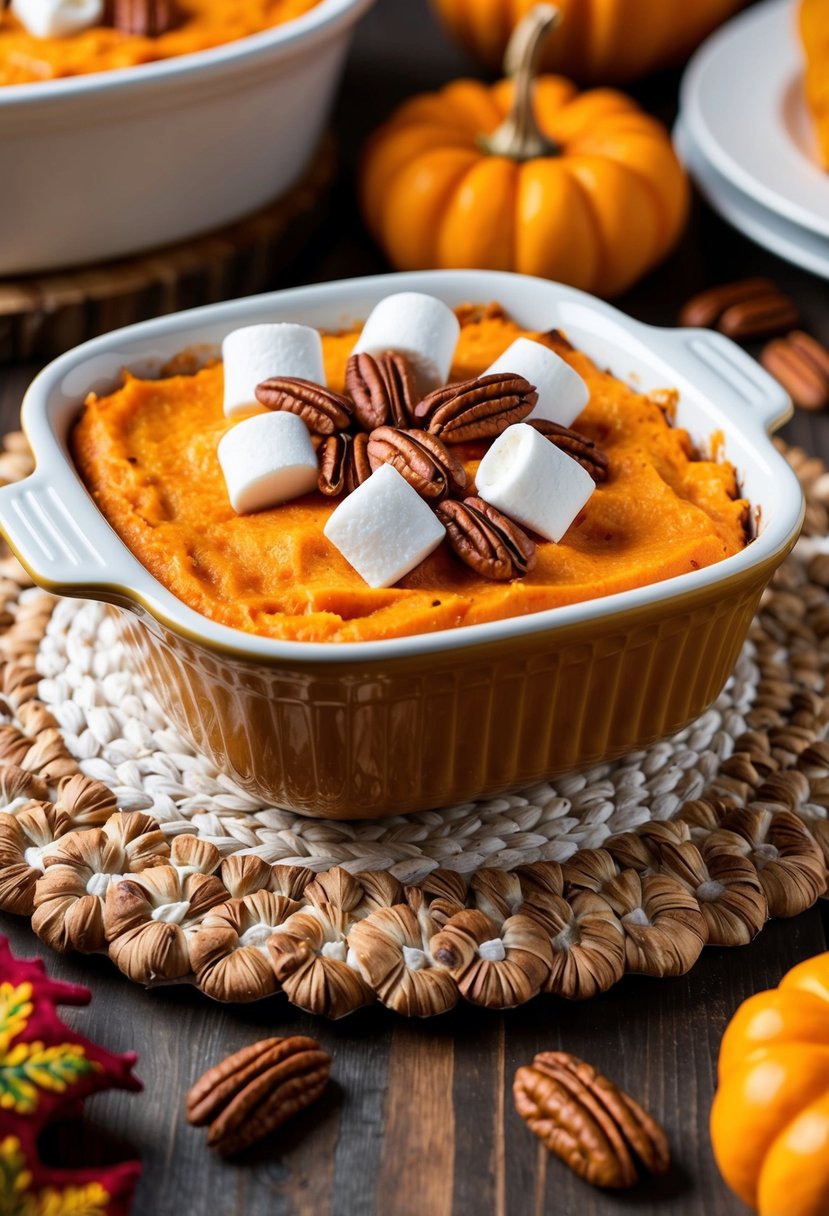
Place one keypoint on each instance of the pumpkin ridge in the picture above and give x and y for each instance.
(796, 1018)
(786, 1178)
(667, 235)
(380, 171)
(672, 224)
(593, 216)
(452, 213)
(436, 201)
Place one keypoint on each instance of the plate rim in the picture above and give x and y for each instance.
(773, 18)
(747, 215)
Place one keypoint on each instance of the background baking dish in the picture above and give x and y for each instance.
(376, 728)
(113, 163)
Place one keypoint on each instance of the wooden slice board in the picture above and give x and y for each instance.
(43, 315)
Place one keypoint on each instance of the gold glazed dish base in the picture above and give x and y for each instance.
(43, 315)
(116, 836)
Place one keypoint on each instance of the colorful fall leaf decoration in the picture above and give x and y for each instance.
(46, 1070)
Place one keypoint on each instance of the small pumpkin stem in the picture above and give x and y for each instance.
(519, 136)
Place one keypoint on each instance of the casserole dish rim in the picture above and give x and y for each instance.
(55, 468)
(324, 17)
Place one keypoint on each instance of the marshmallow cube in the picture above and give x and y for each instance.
(384, 528)
(257, 352)
(533, 482)
(562, 394)
(417, 325)
(266, 460)
(58, 18)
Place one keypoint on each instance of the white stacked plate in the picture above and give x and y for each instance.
(746, 136)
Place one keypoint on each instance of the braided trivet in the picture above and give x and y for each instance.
(116, 836)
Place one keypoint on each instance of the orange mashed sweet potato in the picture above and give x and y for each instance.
(148, 456)
(202, 24)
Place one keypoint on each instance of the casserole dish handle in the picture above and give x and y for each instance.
(719, 365)
(44, 531)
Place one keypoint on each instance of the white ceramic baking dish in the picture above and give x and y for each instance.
(378, 727)
(112, 163)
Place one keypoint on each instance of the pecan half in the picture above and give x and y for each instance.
(421, 458)
(321, 409)
(595, 1128)
(801, 364)
(344, 463)
(476, 409)
(487, 541)
(704, 310)
(747, 309)
(255, 1090)
(382, 389)
(759, 318)
(147, 18)
(584, 450)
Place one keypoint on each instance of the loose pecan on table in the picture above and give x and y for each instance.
(321, 409)
(801, 364)
(599, 1131)
(425, 462)
(344, 463)
(148, 18)
(476, 409)
(749, 308)
(759, 318)
(487, 541)
(254, 1091)
(589, 455)
(382, 389)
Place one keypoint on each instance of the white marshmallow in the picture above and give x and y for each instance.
(384, 528)
(420, 326)
(267, 460)
(562, 394)
(257, 352)
(58, 18)
(534, 482)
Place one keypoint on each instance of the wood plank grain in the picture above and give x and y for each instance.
(479, 1171)
(416, 1166)
(360, 1047)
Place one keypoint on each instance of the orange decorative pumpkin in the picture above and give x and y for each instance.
(601, 41)
(527, 175)
(770, 1118)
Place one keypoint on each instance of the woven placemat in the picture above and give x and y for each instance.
(117, 836)
(42, 315)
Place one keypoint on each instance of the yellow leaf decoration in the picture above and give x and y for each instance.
(15, 1179)
(15, 1011)
(89, 1200)
(27, 1067)
(16, 1198)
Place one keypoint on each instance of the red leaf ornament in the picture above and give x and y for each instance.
(46, 1071)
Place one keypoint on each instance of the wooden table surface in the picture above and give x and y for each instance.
(419, 1120)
